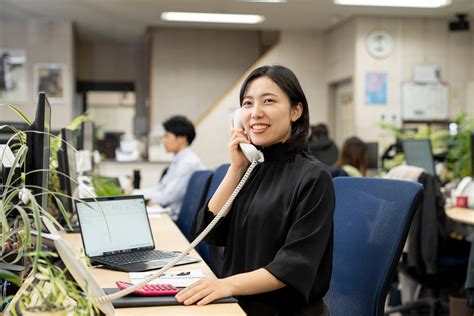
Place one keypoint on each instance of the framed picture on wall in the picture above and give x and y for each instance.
(12, 75)
(51, 79)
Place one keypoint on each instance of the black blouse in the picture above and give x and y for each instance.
(281, 221)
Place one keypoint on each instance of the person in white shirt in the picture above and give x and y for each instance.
(169, 193)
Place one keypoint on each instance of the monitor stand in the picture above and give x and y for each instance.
(74, 229)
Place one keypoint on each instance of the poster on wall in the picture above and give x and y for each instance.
(50, 78)
(376, 88)
(12, 75)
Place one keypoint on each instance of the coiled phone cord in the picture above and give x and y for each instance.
(196, 241)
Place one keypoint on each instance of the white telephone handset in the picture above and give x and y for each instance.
(249, 150)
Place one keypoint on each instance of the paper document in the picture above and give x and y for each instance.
(154, 211)
(176, 278)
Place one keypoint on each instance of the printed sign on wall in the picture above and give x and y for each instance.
(376, 88)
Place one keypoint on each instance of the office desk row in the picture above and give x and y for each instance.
(167, 237)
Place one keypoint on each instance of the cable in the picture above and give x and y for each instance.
(196, 241)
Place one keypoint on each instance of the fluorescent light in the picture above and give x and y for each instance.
(212, 17)
(264, 1)
(397, 3)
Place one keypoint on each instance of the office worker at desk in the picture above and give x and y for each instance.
(353, 157)
(278, 233)
(179, 135)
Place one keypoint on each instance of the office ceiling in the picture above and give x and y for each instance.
(127, 20)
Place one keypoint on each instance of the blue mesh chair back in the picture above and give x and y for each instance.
(217, 178)
(211, 254)
(193, 200)
(371, 224)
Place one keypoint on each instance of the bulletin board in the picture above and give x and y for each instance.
(425, 102)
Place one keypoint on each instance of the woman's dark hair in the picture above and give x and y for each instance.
(180, 126)
(287, 81)
(354, 153)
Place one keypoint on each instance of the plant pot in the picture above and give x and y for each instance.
(458, 306)
(37, 311)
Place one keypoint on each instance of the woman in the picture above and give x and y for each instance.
(278, 233)
(353, 158)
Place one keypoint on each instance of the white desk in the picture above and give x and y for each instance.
(167, 237)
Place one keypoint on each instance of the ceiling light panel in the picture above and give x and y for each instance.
(212, 17)
(396, 3)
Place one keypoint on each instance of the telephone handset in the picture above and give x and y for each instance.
(249, 150)
(254, 157)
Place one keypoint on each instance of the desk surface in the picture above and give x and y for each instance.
(167, 237)
(462, 215)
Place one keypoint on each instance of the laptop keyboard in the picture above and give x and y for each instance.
(134, 257)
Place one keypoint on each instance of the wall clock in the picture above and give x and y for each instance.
(379, 44)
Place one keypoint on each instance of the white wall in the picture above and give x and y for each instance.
(415, 41)
(191, 69)
(339, 66)
(299, 51)
(339, 53)
(44, 42)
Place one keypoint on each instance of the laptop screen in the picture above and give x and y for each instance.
(114, 225)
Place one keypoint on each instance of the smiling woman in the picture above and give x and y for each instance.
(278, 232)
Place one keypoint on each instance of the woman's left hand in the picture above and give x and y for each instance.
(205, 291)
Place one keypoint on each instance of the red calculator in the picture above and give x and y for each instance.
(150, 289)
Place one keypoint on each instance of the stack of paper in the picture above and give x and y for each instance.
(176, 278)
(154, 211)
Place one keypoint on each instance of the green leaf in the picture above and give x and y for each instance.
(10, 276)
(19, 112)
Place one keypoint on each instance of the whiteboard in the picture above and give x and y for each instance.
(426, 102)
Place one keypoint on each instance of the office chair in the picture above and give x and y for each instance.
(433, 260)
(371, 224)
(217, 178)
(337, 172)
(210, 253)
(193, 200)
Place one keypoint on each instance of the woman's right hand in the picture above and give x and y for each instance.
(237, 157)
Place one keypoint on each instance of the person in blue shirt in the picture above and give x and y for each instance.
(169, 193)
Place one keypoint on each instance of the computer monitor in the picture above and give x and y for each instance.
(37, 158)
(67, 168)
(372, 155)
(87, 136)
(418, 153)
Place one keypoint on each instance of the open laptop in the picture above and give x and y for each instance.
(116, 233)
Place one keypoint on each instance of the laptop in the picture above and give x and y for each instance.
(116, 233)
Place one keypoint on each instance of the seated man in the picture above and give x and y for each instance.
(179, 134)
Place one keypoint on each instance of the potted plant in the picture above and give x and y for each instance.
(454, 146)
(49, 288)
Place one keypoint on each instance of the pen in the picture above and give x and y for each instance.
(183, 273)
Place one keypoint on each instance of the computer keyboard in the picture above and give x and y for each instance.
(134, 257)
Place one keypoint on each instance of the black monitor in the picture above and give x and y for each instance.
(87, 136)
(373, 155)
(418, 153)
(67, 168)
(37, 158)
